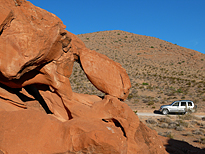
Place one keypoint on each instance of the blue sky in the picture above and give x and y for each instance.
(181, 22)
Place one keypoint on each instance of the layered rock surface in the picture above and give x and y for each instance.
(36, 61)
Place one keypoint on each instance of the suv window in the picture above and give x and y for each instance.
(176, 104)
(183, 103)
(189, 103)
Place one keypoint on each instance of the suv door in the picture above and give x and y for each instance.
(174, 107)
(190, 105)
(183, 106)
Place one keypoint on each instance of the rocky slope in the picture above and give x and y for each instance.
(160, 72)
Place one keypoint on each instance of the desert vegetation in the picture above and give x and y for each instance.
(160, 72)
(188, 128)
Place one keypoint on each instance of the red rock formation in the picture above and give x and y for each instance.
(33, 131)
(105, 74)
(36, 60)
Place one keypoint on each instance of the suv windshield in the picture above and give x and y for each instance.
(175, 104)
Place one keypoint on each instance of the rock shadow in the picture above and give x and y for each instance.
(31, 90)
(35, 93)
(180, 147)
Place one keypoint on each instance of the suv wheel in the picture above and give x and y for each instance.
(165, 111)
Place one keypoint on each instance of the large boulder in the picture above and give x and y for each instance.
(107, 75)
(29, 37)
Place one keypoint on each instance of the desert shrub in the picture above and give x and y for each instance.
(163, 125)
(202, 130)
(182, 123)
(188, 84)
(169, 134)
(201, 140)
(179, 128)
(188, 134)
(151, 103)
(145, 100)
(166, 120)
(141, 87)
(163, 102)
(187, 116)
(151, 121)
(183, 97)
(136, 101)
(172, 125)
(194, 122)
(196, 101)
(149, 87)
(144, 83)
(130, 96)
(202, 125)
(179, 90)
(170, 92)
(197, 132)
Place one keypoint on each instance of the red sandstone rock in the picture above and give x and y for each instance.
(36, 61)
(107, 75)
(33, 132)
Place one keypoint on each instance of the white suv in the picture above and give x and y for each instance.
(181, 106)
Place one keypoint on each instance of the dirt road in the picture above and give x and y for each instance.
(157, 114)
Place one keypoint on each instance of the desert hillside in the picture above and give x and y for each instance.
(160, 71)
